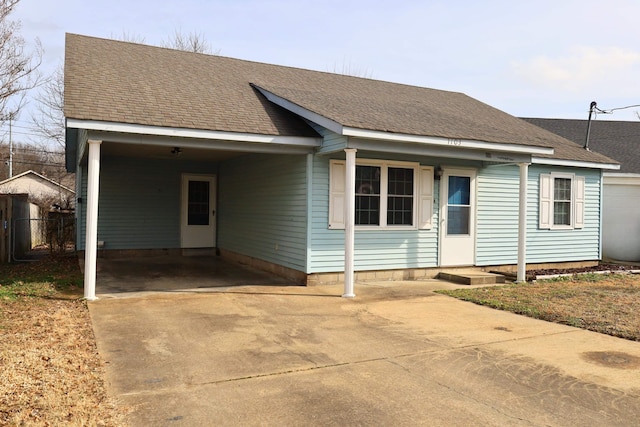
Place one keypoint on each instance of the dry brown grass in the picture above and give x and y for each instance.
(50, 370)
(609, 304)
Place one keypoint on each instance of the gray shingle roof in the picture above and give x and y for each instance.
(615, 139)
(115, 81)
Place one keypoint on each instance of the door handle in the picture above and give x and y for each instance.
(213, 212)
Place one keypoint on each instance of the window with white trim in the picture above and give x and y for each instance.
(388, 195)
(561, 201)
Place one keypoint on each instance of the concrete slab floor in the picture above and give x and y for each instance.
(398, 354)
(124, 276)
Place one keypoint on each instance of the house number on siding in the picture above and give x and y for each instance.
(452, 141)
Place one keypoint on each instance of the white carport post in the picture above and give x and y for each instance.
(349, 221)
(91, 240)
(522, 224)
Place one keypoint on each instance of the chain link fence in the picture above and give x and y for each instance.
(31, 238)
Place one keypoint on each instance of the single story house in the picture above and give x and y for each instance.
(42, 191)
(44, 209)
(619, 140)
(317, 176)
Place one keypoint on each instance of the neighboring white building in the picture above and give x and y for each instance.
(39, 188)
(621, 193)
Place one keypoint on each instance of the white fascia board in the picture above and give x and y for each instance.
(224, 145)
(333, 126)
(438, 151)
(192, 133)
(448, 142)
(574, 163)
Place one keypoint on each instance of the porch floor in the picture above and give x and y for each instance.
(168, 273)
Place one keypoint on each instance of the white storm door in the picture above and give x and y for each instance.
(457, 217)
(197, 219)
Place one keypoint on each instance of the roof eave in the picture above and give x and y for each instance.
(447, 142)
(574, 163)
(138, 129)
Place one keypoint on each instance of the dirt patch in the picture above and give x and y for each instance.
(612, 359)
(532, 274)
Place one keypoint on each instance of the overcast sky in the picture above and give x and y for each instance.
(543, 58)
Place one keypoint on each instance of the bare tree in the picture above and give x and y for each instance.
(129, 37)
(192, 42)
(348, 69)
(48, 115)
(18, 66)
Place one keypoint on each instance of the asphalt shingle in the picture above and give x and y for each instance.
(107, 80)
(615, 139)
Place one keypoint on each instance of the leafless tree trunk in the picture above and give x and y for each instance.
(18, 67)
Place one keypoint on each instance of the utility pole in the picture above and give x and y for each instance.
(10, 148)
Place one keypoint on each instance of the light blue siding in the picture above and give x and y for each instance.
(139, 204)
(497, 219)
(374, 250)
(331, 141)
(263, 208)
(264, 211)
(498, 189)
(564, 245)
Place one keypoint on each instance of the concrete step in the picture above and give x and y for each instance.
(471, 277)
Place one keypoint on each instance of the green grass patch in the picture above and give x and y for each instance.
(41, 278)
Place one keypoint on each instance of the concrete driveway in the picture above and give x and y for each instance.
(396, 355)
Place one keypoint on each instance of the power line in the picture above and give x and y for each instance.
(611, 110)
(55, 164)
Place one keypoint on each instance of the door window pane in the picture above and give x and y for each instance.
(458, 220)
(459, 190)
(459, 208)
(198, 203)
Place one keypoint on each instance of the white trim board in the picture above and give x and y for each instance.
(574, 163)
(192, 133)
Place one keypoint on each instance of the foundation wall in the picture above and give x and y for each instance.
(315, 279)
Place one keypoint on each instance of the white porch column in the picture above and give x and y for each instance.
(522, 224)
(91, 218)
(349, 221)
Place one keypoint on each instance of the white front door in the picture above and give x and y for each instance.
(197, 219)
(457, 217)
